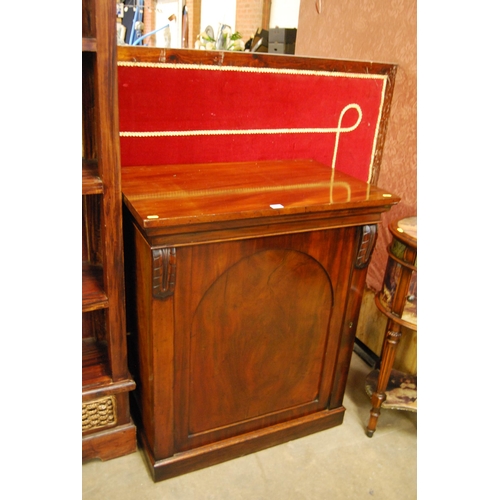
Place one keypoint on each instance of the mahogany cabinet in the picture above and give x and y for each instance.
(251, 210)
(107, 428)
(245, 282)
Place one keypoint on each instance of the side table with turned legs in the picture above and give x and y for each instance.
(398, 302)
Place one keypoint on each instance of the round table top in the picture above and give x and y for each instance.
(406, 229)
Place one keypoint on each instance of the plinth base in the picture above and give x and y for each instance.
(238, 446)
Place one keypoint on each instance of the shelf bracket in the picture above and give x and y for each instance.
(164, 264)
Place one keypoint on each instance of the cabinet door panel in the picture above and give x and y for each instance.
(256, 333)
(258, 339)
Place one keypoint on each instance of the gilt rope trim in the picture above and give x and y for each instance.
(254, 131)
(250, 69)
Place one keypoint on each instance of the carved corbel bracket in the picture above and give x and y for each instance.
(366, 245)
(164, 264)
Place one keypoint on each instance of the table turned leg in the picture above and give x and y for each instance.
(392, 336)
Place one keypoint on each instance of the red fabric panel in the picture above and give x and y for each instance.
(210, 149)
(158, 100)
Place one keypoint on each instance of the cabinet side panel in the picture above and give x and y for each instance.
(153, 351)
(140, 275)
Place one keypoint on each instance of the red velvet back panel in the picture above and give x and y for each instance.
(177, 114)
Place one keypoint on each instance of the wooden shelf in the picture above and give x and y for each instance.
(401, 391)
(94, 363)
(91, 181)
(93, 295)
(392, 315)
(95, 373)
(89, 44)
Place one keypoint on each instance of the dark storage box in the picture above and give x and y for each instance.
(281, 48)
(282, 35)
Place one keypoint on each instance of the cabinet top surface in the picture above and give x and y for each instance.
(170, 195)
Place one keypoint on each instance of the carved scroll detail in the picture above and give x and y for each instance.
(164, 264)
(366, 245)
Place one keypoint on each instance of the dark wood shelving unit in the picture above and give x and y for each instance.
(107, 428)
